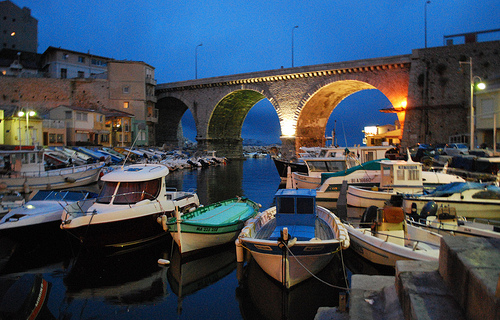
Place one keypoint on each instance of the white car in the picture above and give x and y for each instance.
(455, 149)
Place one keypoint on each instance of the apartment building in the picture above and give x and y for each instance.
(67, 64)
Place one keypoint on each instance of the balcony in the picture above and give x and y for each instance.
(150, 80)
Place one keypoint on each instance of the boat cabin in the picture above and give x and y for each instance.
(401, 174)
(296, 209)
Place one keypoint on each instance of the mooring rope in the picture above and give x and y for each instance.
(316, 277)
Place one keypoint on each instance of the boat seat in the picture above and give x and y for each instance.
(393, 214)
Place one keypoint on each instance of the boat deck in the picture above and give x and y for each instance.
(224, 214)
(321, 230)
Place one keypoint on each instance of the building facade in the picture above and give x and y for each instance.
(19, 30)
(132, 90)
(487, 107)
(67, 64)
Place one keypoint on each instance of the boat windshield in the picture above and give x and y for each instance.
(129, 192)
(326, 166)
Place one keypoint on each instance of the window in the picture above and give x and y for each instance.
(81, 59)
(52, 137)
(125, 105)
(60, 138)
(68, 114)
(81, 74)
(65, 56)
(82, 116)
(126, 89)
(105, 138)
(64, 73)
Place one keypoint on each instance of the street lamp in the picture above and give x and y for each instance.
(292, 42)
(480, 86)
(28, 114)
(196, 60)
(425, 14)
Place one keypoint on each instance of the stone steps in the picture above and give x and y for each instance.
(464, 284)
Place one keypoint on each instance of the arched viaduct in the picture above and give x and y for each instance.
(302, 97)
(435, 82)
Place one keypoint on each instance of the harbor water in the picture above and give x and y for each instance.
(130, 284)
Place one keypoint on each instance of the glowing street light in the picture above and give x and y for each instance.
(481, 86)
(28, 114)
(196, 60)
(292, 42)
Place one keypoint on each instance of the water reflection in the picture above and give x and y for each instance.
(261, 297)
(187, 276)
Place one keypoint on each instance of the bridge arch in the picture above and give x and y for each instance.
(315, 112)
(226, 121)
(170, 112)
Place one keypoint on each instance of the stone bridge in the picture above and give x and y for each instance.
(304, 97)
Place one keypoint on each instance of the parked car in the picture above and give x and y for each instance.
(455, 149)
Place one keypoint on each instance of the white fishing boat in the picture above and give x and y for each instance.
(332, 160)
(470, 199)
(293, 240)
(26, 170)
(130, 204)
(397, 176)
(444, 220)
(210, 226)
(381, 238)
(41, 214)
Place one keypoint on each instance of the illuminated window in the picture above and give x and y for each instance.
(125, 105)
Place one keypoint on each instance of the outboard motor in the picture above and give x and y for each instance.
(429, 209)
(369, 215)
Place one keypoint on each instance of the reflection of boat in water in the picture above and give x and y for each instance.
(186, 276)
(124, 278)
(24, 297)
(260, 297)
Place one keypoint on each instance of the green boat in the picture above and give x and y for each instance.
(211, 225)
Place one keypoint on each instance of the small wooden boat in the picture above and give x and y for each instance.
(295, 239)
(381, 238)
(211, 225)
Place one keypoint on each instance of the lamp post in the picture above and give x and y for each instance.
(425, 21)
(28, 114)
(196, 61)
(292, 42)
(480, 86)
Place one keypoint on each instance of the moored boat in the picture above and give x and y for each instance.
(293, 240)
(127, 209)
(444, 220)
(397, 176)
(41, 215)
(211, 225)
(25, 170)
(470, 199)
(381, 238)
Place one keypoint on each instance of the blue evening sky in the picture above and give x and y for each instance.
(241, 36)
